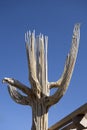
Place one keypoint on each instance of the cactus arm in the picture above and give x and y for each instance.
(64, 81)
(14, 86)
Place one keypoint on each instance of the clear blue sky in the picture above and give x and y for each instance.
(56, 19)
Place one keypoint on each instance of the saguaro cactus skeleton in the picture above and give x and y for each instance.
(38, 96)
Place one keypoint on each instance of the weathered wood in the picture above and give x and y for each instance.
(38, 95)
(39, 110)
(63, 83)
(70, 118)
(14, 86)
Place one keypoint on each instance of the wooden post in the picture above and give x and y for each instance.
(38, 96)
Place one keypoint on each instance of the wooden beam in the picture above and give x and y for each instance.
(69, 126)
(69, 118)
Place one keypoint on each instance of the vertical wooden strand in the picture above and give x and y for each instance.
(27, 48)
(46, 65)
(30, 69)
(32, 55)
(46, 80)
(41, 65)
(37, 58)
(42, 71)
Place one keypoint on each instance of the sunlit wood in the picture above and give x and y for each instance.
(38, 96)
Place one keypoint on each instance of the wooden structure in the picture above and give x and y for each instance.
(38, 95)
(77, 120)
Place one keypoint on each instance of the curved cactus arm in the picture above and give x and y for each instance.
(17, 97)
(64, 81)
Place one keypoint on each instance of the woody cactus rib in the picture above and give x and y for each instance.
(38, 96)
(17, 97)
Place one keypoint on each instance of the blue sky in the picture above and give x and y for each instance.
(56, 19)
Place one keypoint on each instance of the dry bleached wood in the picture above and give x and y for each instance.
(64, 81)
(14, 86)
(38, 95)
